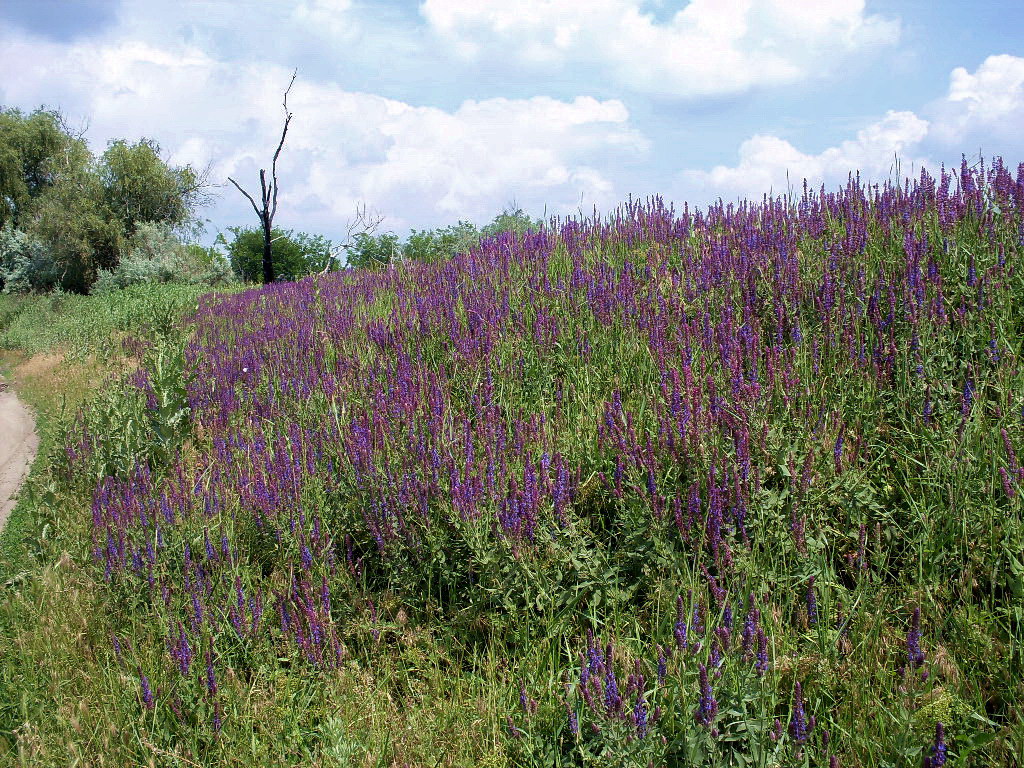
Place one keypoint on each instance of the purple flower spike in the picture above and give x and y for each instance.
(147, 692)
(640, 716)
(708, 706)
(914, 653)
(798, 726)
(762, 653)
(812, 603)
(612, 697)
(573, 720)
(680, 630)
(938, 756)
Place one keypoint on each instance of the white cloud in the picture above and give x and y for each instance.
(771, 164)
(326, 17)
(987, 103)
(989, 99)
(708, 47)
(419, 165)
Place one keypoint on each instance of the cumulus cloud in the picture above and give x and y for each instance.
(420, 165)
(330, 18)
(771, 164)
(989, 99)
(988, 102)
(709, 47)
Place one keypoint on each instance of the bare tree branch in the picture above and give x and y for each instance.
(284, 132)
(365, 222)
(239, 188)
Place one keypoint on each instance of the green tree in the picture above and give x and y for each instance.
(81, 210)
(295, 254)
(512, 219)
(440, 244)
(83, 236)
(368, 250)
(36, 151)
(139, 186)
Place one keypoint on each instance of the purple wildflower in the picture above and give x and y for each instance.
(798, 728)
(680, 630)
(573, 720)
(762, 653)
(708, 706)
(147, 692)
(915, 656)
(612, 698)
(812, 603)
(640, 716)
(938, 756)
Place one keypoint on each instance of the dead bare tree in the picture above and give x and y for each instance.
(365, 222)
(268, 193)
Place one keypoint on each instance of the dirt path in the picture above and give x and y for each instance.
(18, 444)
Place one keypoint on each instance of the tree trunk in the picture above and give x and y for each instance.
(268, 256)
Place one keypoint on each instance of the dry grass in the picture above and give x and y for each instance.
(51, 383)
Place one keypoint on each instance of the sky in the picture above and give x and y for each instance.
(428, 112)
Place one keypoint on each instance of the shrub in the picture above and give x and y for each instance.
(440, 244)
(83, 208)
(156, 255)
(433, 245)
(25, 263)
(513, 219)
(295, 254)
(374, 250)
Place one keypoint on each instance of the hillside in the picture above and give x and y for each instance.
(734, 487)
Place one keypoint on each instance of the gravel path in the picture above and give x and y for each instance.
(18, 444)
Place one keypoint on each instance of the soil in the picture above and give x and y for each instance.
(18, 445)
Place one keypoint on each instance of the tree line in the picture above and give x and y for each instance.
(75, 221)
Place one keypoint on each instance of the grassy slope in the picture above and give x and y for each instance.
(60, 690)
(429, 677)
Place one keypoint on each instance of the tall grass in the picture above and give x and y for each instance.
(80, 326)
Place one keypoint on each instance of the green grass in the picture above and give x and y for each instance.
(433, 679)
(83, 326)
(57, 351)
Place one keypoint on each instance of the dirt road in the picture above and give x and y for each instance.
(18, 444)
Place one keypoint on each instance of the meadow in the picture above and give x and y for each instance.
(725, 487)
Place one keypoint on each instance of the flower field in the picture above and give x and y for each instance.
(730, 487)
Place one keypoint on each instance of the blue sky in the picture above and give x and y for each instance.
(431, 111)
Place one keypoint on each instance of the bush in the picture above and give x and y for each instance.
(440, 244)
(374, 250)
(156, 255)
(433, 245)
(82, 208)
(25, 263)
(512, 219)
(295, 254)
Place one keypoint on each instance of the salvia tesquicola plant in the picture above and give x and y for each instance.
(738, 486)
